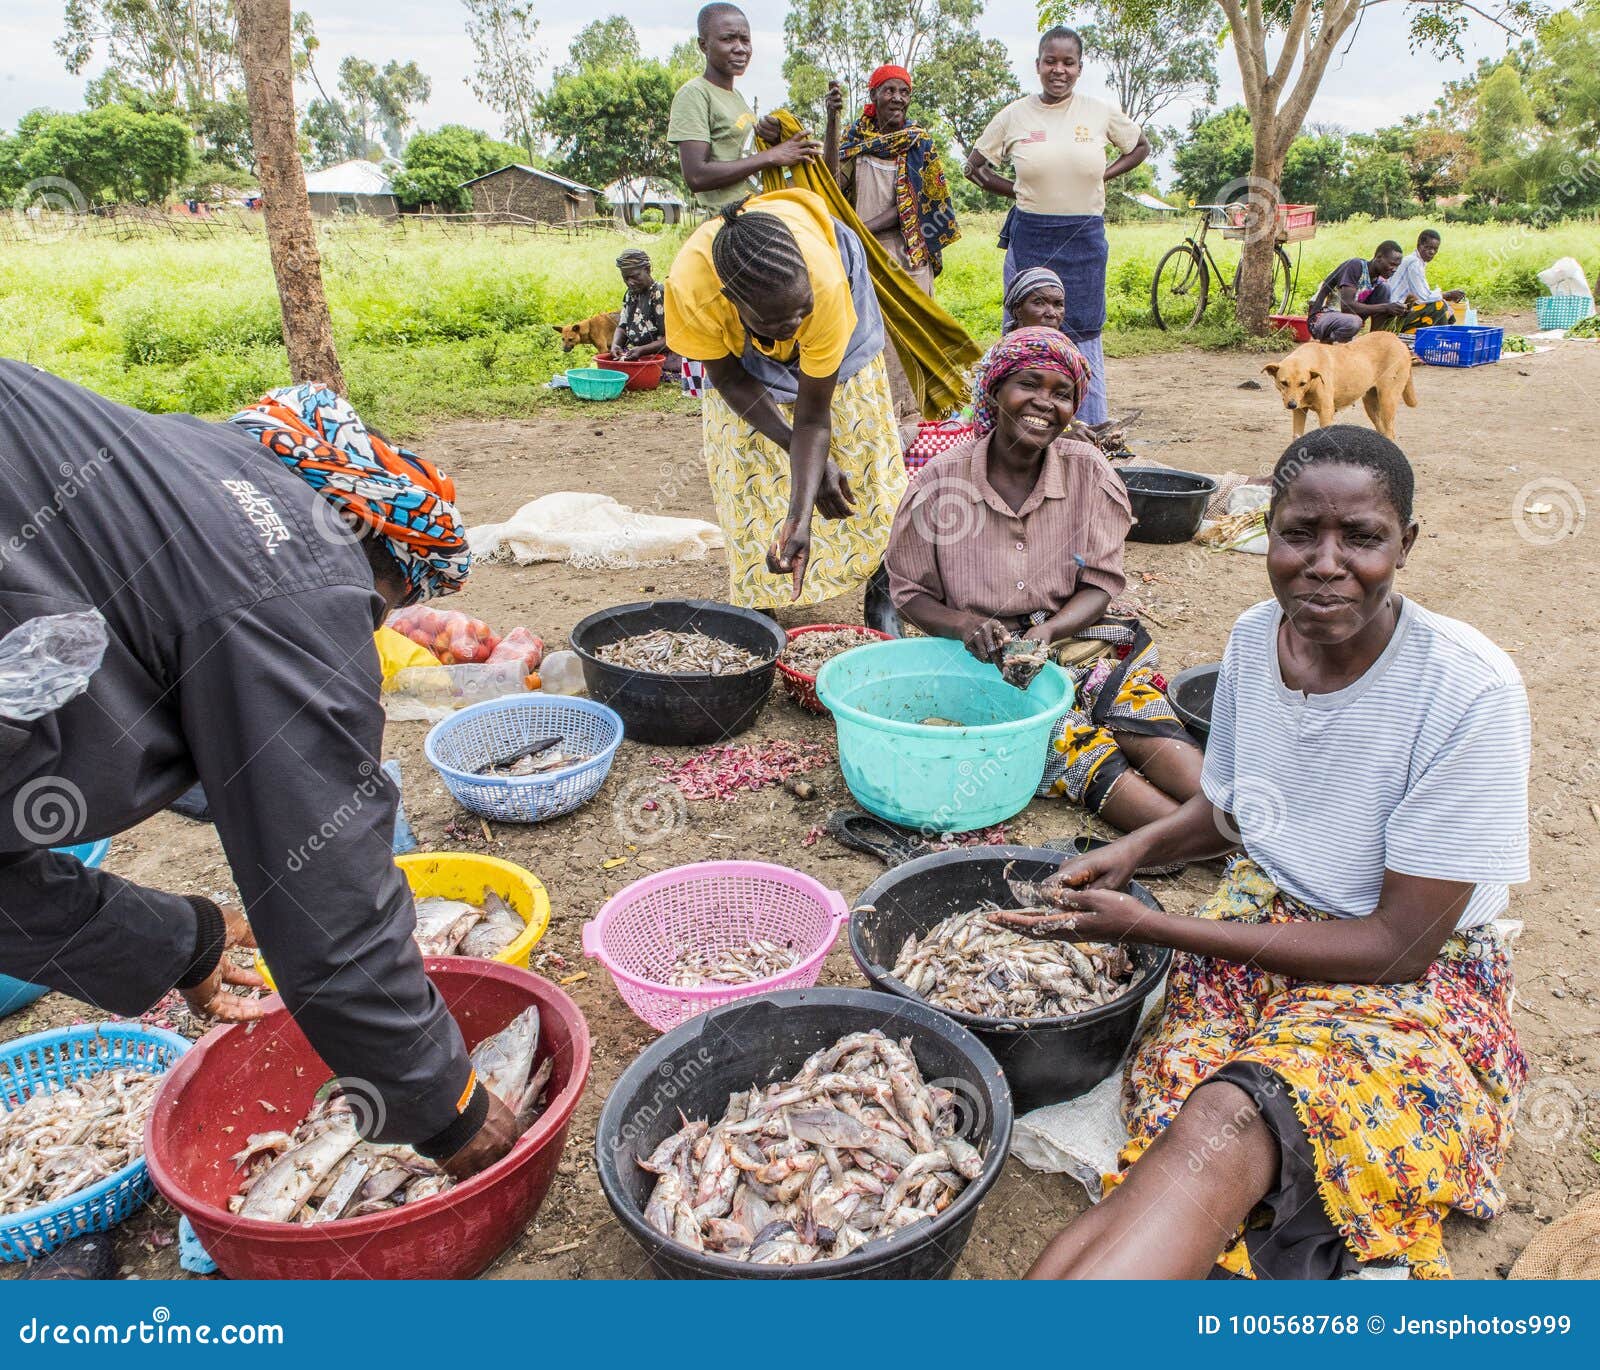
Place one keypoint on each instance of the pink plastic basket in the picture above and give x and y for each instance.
(710, 906)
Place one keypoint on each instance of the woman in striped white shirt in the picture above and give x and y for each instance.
(1335, 1068)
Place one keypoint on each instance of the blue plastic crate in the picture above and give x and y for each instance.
(459, 745)
(48, 1061)
(18, 994)
(1459, 345)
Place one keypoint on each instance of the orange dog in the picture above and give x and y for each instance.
(1324, 377)
(597, 331)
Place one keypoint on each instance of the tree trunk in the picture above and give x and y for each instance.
(264, 46)
(1256, 298)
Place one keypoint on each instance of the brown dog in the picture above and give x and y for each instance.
(597, 331)
(1325, 377)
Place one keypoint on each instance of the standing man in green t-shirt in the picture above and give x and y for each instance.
(714, 129)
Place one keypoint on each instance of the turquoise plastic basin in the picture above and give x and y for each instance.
(927, 776)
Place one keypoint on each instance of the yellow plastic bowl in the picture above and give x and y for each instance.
(465, 876)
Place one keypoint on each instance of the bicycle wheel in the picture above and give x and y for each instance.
(1282, 283)
(1179, 289)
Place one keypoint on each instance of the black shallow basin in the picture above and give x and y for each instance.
(1168, 506)
(1191, 693)
(1045, 1060)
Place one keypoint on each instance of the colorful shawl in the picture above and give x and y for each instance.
(1038, 349)
(406, 501)
(921, 193)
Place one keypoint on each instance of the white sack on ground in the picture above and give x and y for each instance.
(593, 531)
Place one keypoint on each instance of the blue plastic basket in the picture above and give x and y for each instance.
(459, 745)
(49, 1060)
(18, 994)
(1563, 311)
(1459, 345)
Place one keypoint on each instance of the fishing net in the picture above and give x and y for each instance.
(593, 532)
(1569, 1249)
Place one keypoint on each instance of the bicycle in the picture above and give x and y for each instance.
(1182, 283)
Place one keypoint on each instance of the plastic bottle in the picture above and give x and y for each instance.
(561, 673)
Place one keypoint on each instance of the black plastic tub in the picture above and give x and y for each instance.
(679, 710)
(1168, 506)
(1045, 1060)
(1191, 694)
(695, 1067)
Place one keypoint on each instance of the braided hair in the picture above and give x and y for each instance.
(755, 255)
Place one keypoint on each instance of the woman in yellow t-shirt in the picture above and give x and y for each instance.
(773, 297)
(1055, 142)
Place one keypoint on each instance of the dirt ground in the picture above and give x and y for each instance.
(1487, 443)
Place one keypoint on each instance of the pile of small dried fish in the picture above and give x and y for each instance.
(667, 653)
(809, 651)
(967, 963)
(324, 1170)
(1021, 660)
(742, 965)
(852, 1150)
(451, 927)
(539, 756)
(57, 1142)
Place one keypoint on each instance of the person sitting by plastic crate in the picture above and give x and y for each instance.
(642, 320)
(1018, 535)
(239, 570)
(1425, 306)
(1354, 292)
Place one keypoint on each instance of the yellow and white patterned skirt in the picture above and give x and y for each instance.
(750, 488)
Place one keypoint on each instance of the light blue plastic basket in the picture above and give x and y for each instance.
(17, 994)
(1563, 311)
(461, 744)
(49, 1061)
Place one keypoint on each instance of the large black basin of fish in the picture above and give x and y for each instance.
(679, 710)
(764, 1039)
(1045, 1060)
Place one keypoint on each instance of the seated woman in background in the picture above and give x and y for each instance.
(1335, 1068)
(1019, 534)
(1036, 299)
(642, 323)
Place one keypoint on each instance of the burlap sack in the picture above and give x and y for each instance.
(1569, 1249)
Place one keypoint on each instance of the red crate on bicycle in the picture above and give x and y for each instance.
(1296, 223)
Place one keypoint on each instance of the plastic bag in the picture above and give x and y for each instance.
(47, 661)
(520, 645)
(450, 635)
(427, 694)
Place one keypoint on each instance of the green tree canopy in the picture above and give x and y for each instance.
(437, 163)
(610, 123)
(113, 154)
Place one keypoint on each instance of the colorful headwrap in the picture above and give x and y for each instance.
(921, 191)
(407, 501)
(1024, 283)
(1027, 349)
(634, 256)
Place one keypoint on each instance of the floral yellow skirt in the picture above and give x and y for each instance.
(1406, 1092)
(750, 488)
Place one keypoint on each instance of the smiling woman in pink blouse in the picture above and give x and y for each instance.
(1019, 534)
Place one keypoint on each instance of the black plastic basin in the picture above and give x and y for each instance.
(679, 710)
(1168, 506)
(1045, 1060)
(695, 1067)
(1191, 693)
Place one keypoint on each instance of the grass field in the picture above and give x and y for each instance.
(432, 326)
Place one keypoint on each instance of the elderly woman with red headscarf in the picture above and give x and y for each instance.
(890, 170)
(1018, 534)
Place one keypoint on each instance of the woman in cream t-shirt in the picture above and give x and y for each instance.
(1055, 141)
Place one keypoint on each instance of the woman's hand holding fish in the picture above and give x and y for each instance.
(1110, 867)
(790, 551)
(209, 998)
(1086, 915)
(985, 637)
(497, 1136)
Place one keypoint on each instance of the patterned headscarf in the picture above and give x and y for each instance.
(1024, 283)
(1035, 349)
(633, 257)
(407, 501)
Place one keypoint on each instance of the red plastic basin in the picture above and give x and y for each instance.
(642, 375)
(219, 1094)
(1291, 323)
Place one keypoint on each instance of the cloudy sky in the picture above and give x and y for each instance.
(1374, 83)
